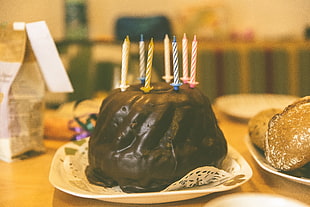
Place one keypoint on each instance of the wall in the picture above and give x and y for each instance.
(35, 10)
(268, 19)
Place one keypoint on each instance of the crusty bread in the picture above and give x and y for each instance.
(258, 126)
(287, 143)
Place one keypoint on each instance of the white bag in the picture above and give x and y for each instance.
(25, 68)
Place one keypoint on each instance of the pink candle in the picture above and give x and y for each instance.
(193, 82)
(185, 59)
(142, 59)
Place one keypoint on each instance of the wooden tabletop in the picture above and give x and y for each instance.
(25, 183)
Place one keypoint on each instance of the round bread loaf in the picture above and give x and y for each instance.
(287, 144)
(258, 126)
(145, 141)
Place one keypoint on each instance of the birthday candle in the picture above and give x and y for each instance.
(125, 57)
(193, 64)
(176, 80)
(167, 77)
(147, 86)
(142, 59)
(185, 59)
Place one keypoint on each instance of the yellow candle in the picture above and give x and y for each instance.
(147, 86)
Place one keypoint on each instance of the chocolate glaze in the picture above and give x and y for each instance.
(145, 141)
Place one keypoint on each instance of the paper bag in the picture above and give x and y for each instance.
(22, 88)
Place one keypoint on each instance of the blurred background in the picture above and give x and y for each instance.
(245, 46)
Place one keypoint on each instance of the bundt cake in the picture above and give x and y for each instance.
(143, 142)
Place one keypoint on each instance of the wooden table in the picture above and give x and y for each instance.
(25, 183)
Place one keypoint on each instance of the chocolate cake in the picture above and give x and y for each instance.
(143, 142)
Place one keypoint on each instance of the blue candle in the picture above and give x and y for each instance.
(176, 80)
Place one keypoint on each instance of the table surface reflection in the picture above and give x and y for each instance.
(25, 183)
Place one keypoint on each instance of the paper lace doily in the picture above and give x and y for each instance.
(76, 160)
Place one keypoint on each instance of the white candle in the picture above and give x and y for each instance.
(167, 77)
(125, 57)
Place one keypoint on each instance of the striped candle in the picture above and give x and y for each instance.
(142, 59)
(167, 77)
(147, 85)
(193, 82)
(176, 80)
(125, 57)
(185, 59)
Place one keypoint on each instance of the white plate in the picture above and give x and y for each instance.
(254, 200)
(67, 174)
(245, 106)
(263, 163)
